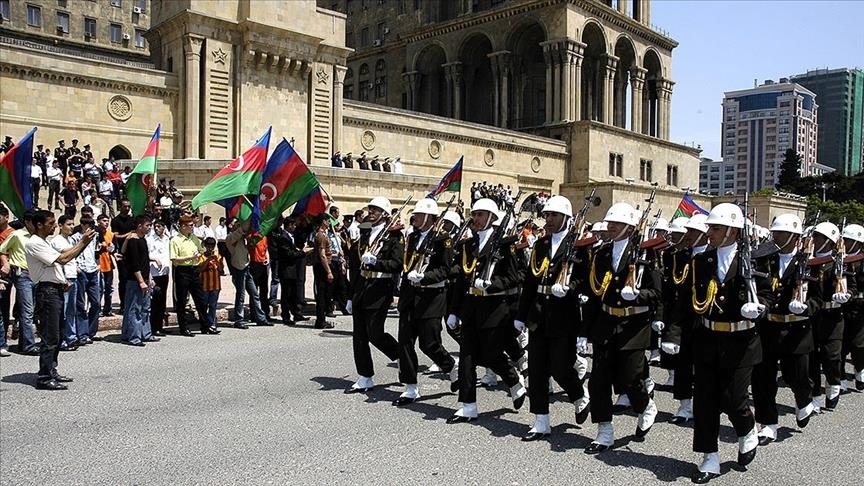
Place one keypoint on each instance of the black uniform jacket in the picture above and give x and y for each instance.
(375, 293)
(827, 316)
(544, 313)
(793, 337)
(428, 299)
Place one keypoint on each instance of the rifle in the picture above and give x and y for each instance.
(839, 263)
(376, 244)
(575, 232)
(745, 262)
(805, 250)
(426, 249)
(639, 236)
(500, 239)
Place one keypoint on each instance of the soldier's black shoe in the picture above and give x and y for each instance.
(459, 419)
(51, 385)
(353, 389)
(859, 385)
(517, 402)
(831, 403)
(678, 420)
(640, 434)
(806, 420)
(764, 441)
(703, 477)
(582, 416)
(405, 401)
(454, 386)
(532, 436)
(595, 448)
(745, 458)
(63, 379)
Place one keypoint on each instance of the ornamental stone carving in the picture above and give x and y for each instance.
(535, 164)
(120, 108)
(435, 149)
(367, 140)
(489, 157)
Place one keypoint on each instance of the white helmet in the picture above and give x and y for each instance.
(828, 230)
(598, 226)
(621, 213)
(854, 232)
(678, 225)
(485, 204)
(697, 222)
(426, 206)
(726, 214)
(380, 202)
(662, 225)
(453, 217)
(559, 204)
(787, 222)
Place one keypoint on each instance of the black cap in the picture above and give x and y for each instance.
(74, 140)
(10, 138)
(61, 141)
(38, 146)
(87, 146)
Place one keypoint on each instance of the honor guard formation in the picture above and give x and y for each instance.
(712, 299)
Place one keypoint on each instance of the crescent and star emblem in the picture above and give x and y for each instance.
(238, 164)
(264, 196)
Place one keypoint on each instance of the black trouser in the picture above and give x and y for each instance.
(511, 345)
(53, 194)
(682, 364)
(369, 329)
(158, 303)
(121, 283)
(187, 282)
(551, 357)
(825, 358)
(288, 299)
(852, 339)
(623, 368)
(259, 276)
(795, 368)
(339, 289)
(322, 288)
(428, 332)
(49, 309)
(35, 187)
(482, 347)
(719, 390)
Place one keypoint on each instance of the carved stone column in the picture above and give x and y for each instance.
(622, 6)
(550, 93)
(504, 71)
(192, 76)
(456, 73)
(338, 90)
(664, 94)
(609, 90)
(413, 80)
(448, 79)
(637, 80)
(575, 50)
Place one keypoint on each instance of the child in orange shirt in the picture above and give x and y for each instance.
(211, 267)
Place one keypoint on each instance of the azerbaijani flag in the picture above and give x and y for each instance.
(687, 208)
(15, 167)
(452, 181)
(141, 180)
(239, 178)
(312, 205)
(286, 180)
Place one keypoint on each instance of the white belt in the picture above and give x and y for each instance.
(482, 293)
(544, 289)
(728, 326)
(370, 275)
(786, 318)
(438, 285)
(831, 305)
(625, 311)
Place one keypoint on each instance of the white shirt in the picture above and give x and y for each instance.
(725, 257)
(54, 173)
(86, 261)
(484, 237)
(354, 230)
(699, 249)
(106, 187)
(158, 249)
(785, 259)
(556, 242)
(220, 232)
(42, 261)
(35, 172)
(618, 248)
(61, 244)
(124, 177)
(375, 230)
(422, 237)
(397, 167)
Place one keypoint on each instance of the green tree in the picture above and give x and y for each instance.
(790, 171)
(835, 211)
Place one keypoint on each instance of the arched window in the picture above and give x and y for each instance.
(380, 79)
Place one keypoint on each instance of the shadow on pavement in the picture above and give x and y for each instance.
(665, 469)
(21, 378)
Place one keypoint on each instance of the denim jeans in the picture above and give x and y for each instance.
(50, 300)
(136, 314)
(70, 316)
(274, 281)
(89, 292)
(107, 279)
(242, 280)
(212, 300)
(24, 290)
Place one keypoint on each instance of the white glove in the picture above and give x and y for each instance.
(797, 307)
(583, 299)
(415, 276)
(841, 297)
(581, 345)
(670, 348)
(629, 293)
(519, 325)
(481, 284)
(751, 311)
(452, 321)
(369, 259)
(559, 290)
(349, 307)
(658, 326)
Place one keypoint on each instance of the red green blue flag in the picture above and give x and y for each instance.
(452, 181)
(140, 182)
(15, 167)
(312, 205)
(687, 208)
(239, 178)
(286, 180)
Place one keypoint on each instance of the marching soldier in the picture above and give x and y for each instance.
(786, 334)
(546, 310)
(726, 344)
(61, 155)
(828, 321)
(621, 331)
(379, 252)
(673, 258)
(853, 335)
(423, 298)
(484, 292)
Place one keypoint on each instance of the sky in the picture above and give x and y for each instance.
(725, 45)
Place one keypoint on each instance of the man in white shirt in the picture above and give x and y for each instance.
(106, 193)
(45, 266)
(89, 287)
(61, 243)
(35, 182)
(160, 263)
(55, 179)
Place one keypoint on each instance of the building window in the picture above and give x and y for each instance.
(116, 33)
(364, 90)
(671, 175)
(115, 3)
(349, 38)
(141, 5)
(616, 164)
(34, 16)
(63, 22)
(364, 37)
(381, 31)
(380, 79)
(4, 9)
(348, 92)
(645, 170)
(139, 39)
(89, 27)
(364, 69)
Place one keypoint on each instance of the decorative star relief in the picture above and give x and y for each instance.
(322, 75)
(219, 55)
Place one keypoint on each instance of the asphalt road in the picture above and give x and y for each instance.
(266, 406)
